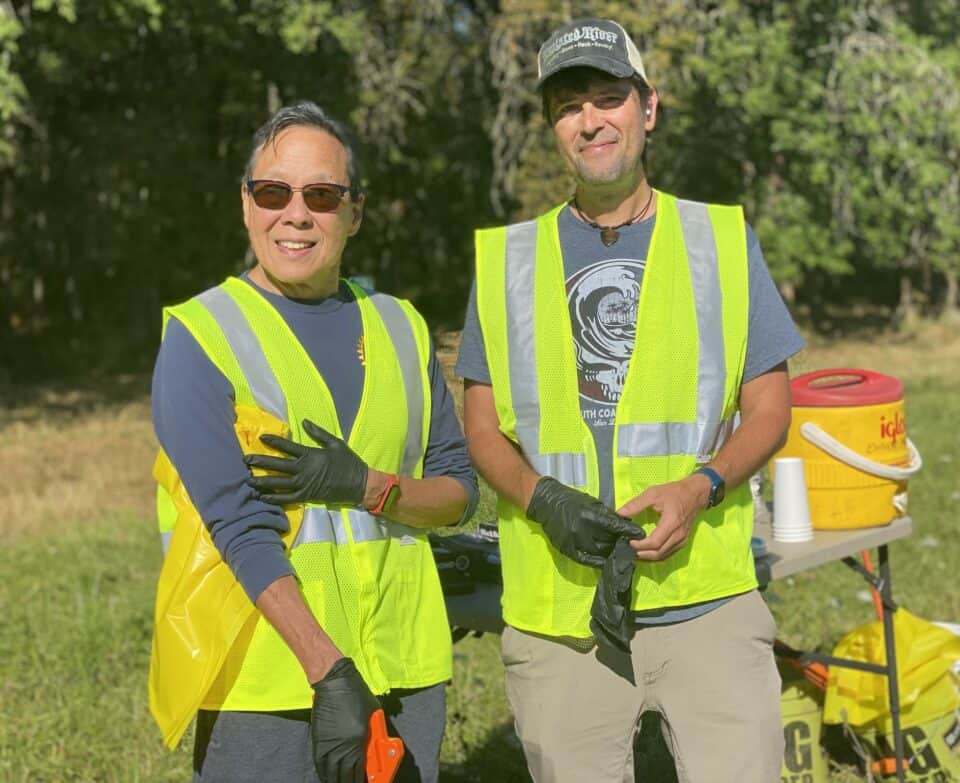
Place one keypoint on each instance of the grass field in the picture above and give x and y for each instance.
(80, 559)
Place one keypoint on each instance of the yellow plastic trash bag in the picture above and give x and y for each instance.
(929, 694)
(200, 609)
(925, 655)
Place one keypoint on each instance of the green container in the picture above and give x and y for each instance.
(801, 710)
(931, 749)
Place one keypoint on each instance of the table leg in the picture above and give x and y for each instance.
(893, 684)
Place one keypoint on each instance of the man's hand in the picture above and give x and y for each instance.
(678, 504)
(764, 421)
(332, 474)
(340, 723)
(580, 526)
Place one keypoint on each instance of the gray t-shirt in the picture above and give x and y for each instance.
(603, 292)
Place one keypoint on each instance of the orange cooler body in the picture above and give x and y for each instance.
(864, 411)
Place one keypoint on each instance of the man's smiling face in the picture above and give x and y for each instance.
(601, 128)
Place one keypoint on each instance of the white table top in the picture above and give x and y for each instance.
(827, 545)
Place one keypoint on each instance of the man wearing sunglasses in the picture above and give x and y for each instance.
(331, 395)
(608, 347)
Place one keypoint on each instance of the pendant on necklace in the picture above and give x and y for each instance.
(609, 235)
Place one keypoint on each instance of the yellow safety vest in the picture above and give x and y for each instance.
(372, 584)
(677, 406)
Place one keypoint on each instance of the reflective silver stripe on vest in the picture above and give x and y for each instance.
(566, 468)
(326, 526)
(321, 526)
(703, 437)
(677, 437)
(165, 541)
(401, 333)
(247, 350)
(367, 527)
(364, 526)
(521, 250)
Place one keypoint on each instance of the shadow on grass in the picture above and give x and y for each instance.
(500, 758)
(69, 396)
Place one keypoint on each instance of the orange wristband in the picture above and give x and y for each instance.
(390, 492)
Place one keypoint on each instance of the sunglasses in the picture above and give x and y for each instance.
(319, 197)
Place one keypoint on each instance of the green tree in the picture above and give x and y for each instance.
(417, 77)
(132, 131)
(896, 108)
(126, 124)
(769, 105)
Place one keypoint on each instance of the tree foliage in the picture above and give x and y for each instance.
(126, 125)
(130, 123)
(834, 123)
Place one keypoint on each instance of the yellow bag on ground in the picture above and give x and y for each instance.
(925, 653)
(929, 696)
(201, 610)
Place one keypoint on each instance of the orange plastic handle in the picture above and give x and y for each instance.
(888, 766)
(384, 753)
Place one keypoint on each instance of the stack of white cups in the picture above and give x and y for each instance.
(791, 511)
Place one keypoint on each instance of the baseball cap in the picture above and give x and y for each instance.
(593, 43)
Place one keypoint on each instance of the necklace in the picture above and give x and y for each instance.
(610, 234)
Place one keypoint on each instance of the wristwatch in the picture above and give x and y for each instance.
(718, 486)
(390, 492)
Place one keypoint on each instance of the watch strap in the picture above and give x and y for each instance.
(717, 485)
(388, 495)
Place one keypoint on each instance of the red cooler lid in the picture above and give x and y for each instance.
(844, 388)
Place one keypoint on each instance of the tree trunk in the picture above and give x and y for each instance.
(951, 299)
(906, 311)
(789, 292)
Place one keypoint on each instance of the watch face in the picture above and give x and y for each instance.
(717, 495)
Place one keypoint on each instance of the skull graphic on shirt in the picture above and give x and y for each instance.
(603, 299)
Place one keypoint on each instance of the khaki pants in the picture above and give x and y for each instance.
(713, 679)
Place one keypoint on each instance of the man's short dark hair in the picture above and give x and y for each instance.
(578, 80)
(307, 114)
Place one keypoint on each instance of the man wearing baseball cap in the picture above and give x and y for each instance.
(609, 346)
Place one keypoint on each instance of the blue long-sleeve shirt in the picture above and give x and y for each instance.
(193, 416)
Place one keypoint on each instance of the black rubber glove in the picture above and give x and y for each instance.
(333, 474)
(610, 619)
(580, 526)
(340, 723)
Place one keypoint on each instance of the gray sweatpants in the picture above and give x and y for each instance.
(274, 747)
